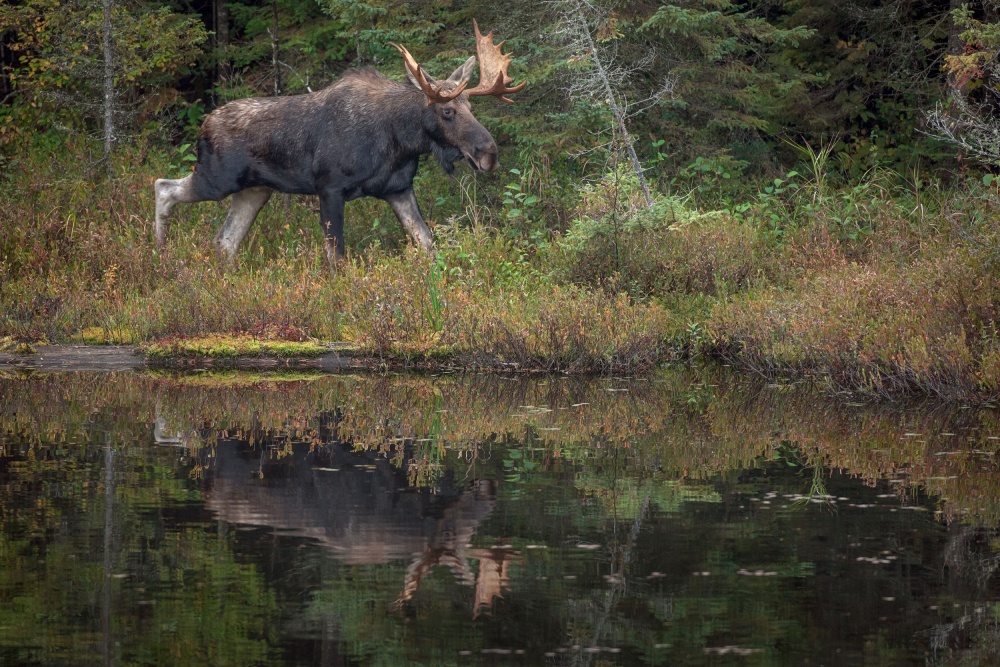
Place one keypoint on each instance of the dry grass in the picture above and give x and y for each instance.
(877, 287)
(914, 313)
(82, 266)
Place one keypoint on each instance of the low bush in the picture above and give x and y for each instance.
(617, 243)
(566, 329)
(930, 326)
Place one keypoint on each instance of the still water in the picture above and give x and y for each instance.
(684, 519)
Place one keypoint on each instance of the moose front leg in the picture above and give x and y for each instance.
(404, 205)
(331, 218)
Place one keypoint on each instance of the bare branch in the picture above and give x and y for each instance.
(305, 81)
(971, 129)
(603, 77)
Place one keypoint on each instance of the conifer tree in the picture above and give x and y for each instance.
(88, 67)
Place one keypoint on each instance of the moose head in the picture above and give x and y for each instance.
(455, 125)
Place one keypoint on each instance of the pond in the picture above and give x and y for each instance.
(687, 518)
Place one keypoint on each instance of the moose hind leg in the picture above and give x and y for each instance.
(243, 210)
(167, 193)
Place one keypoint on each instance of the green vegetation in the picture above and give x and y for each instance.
(230, 347)
(810, 216)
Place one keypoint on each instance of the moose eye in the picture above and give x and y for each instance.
(447, 113)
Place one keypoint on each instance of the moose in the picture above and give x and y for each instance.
(362, 136)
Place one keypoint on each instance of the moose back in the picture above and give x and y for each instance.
(360, 137)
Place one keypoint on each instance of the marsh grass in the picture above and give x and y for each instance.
(82, 266)
(487, 315)
(910, 306)
(887, 285)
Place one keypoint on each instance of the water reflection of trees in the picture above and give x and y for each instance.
(680, 439)
(687, 425)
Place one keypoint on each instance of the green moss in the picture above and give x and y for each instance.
(104, 336)
(220, 346)
(12, 344)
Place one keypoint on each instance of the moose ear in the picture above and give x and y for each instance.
(409, 75)
(463, 73)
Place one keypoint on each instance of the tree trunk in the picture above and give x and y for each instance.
(109, 86)
(5, 87)
(616, 110)
(274, 47)
(954, 41)
(224, 66)
(109, 524)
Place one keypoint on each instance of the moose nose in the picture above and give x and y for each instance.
(486, 156)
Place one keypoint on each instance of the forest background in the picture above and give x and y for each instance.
(802, 188)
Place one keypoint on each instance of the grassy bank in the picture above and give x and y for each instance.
(885, 285)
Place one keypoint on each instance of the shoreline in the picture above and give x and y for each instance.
(110, 358)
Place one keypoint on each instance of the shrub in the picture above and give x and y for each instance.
(415, 307)
(564, 329)
(929, 326)
(620, 244)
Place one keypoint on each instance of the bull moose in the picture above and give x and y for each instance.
(360, 137)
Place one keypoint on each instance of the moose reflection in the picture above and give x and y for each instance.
(360, 507)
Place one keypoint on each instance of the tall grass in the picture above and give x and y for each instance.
(885, 285)
(82, 259)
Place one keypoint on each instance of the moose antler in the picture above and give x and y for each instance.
(493, 78)
(493, 64)
(434, 91)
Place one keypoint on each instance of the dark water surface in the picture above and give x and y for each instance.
(687, 519)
